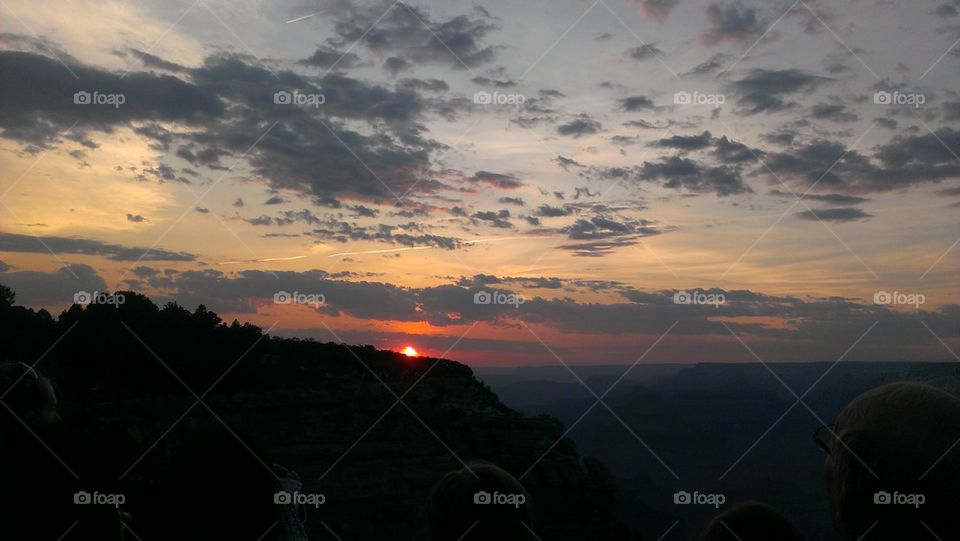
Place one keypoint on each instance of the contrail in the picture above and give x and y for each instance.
(264, 260)
(404, 249)
(301, 18)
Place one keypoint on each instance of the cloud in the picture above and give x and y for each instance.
(636, 103)
(839, 215)
(499, 219)
(656, 10)
(583, 125)
(136, 218)
(38, 99)
(831, 198)
(328, 58)
(645, 52)
(36, 288)
(765, 90)
(496, 180)
(835, 111)
(905, 161)
(518, 201)
(684, 173)
(685, 142)
(732, 21)
(399, 29)
(711, 65)
(12, 242)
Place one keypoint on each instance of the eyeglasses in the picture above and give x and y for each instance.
(823, 436)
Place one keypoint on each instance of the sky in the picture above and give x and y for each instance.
(500, 183)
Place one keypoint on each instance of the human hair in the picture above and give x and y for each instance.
(483, 499)
(750, 521)
(891, 466)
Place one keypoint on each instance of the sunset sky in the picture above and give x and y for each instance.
(539, 151)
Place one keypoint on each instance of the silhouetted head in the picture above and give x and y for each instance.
(751, 521)
(481, 499)
(893, 463)
(28, 395)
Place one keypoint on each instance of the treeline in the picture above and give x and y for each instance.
(125, 350)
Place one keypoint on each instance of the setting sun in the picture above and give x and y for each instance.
(409, 351)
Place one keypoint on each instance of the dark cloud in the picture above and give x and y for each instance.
(548, 211)
(684, 173)
(12, 242)
(395, 65)
(830, 198)
(636, 103)
(428, 85)
(835, 111)
(518, 201)
(583, 125)
(764, 90)
(904, 162)
(399, 29)
(56, 288)
(499, 219)
(732, 21)
(328, 58)
(496, 180)
(711, 65)
(645, 52)
(839, 214)
(38, 99)
(685, 142)
(136, 218)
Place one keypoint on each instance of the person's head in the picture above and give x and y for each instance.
(28, 395)
(892, 463)
(481, 499)
(750, 521)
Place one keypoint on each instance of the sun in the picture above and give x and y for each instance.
(409, 351)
